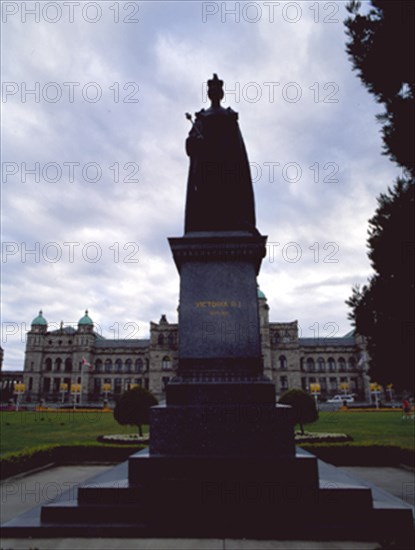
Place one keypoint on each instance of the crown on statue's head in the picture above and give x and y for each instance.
(215, 81)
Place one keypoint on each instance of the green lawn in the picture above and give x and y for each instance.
(368, 428)
(22, 430)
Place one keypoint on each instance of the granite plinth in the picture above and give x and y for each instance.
(218, 315)
(204, 391)
(235, 429)
(205, 246)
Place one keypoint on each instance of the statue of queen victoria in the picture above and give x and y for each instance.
(219, 190)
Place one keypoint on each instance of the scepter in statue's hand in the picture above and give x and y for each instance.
(189, 117)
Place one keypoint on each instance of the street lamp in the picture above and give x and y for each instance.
(375, 389)
(19, 389)
(315, 389)
(76, 391)
(389, 389)
(63, 388)
(344, 386)
(106, 388)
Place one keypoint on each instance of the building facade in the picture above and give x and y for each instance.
(78, 364)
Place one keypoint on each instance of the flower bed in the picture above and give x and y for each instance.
(123, 439)
(313, 437)
(308, 437)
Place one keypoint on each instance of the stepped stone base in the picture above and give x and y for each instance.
(222, 497)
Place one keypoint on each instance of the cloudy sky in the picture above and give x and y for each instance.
(94, 170)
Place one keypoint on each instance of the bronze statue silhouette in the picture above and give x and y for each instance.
(219, 189)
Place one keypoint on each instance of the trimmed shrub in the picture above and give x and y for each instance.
(133, 407)
(303, 404)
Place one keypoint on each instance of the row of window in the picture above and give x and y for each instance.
(332, 386)
(119, 366)
(320, 365)
(65, 366)
(107, 366)
(170, 339)
(128, 366)
(279, 337)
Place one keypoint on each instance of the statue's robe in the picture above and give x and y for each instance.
(219, 190)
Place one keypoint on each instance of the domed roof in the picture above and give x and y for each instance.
(85, 320)
(260, 294)
(40, 320)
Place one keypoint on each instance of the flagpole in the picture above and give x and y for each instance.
(84, 363)
(82, 381)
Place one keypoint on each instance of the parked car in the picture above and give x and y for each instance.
(341, 398)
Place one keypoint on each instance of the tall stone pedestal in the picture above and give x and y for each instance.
(220, 404)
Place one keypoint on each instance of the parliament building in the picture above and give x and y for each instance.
(63, 359)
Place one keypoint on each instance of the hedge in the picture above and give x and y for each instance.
(12, 464)
(361, 455)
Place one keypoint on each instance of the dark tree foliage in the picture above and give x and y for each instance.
(383, 310)
(303, 404)
(381, 48)
(133, 407)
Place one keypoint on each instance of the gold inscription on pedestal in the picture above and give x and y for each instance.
(218, 307)
(218, 304)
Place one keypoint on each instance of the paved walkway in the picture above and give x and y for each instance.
(180, 544)
(399, 482)
(22, 493)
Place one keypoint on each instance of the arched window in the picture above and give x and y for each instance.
(170, 339)
(108, 365)
(68, 364)
(48, 364)
(282, 362)
(160, 340)
(321, 364)
(138, 365)
(98, 365)
(332, 364)
(276, 337)
(58, 364)
(352, 363)
(342, 364)
(283, 383)
(129, 365)
(166, 363)
(310, 365)
(118, 365)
